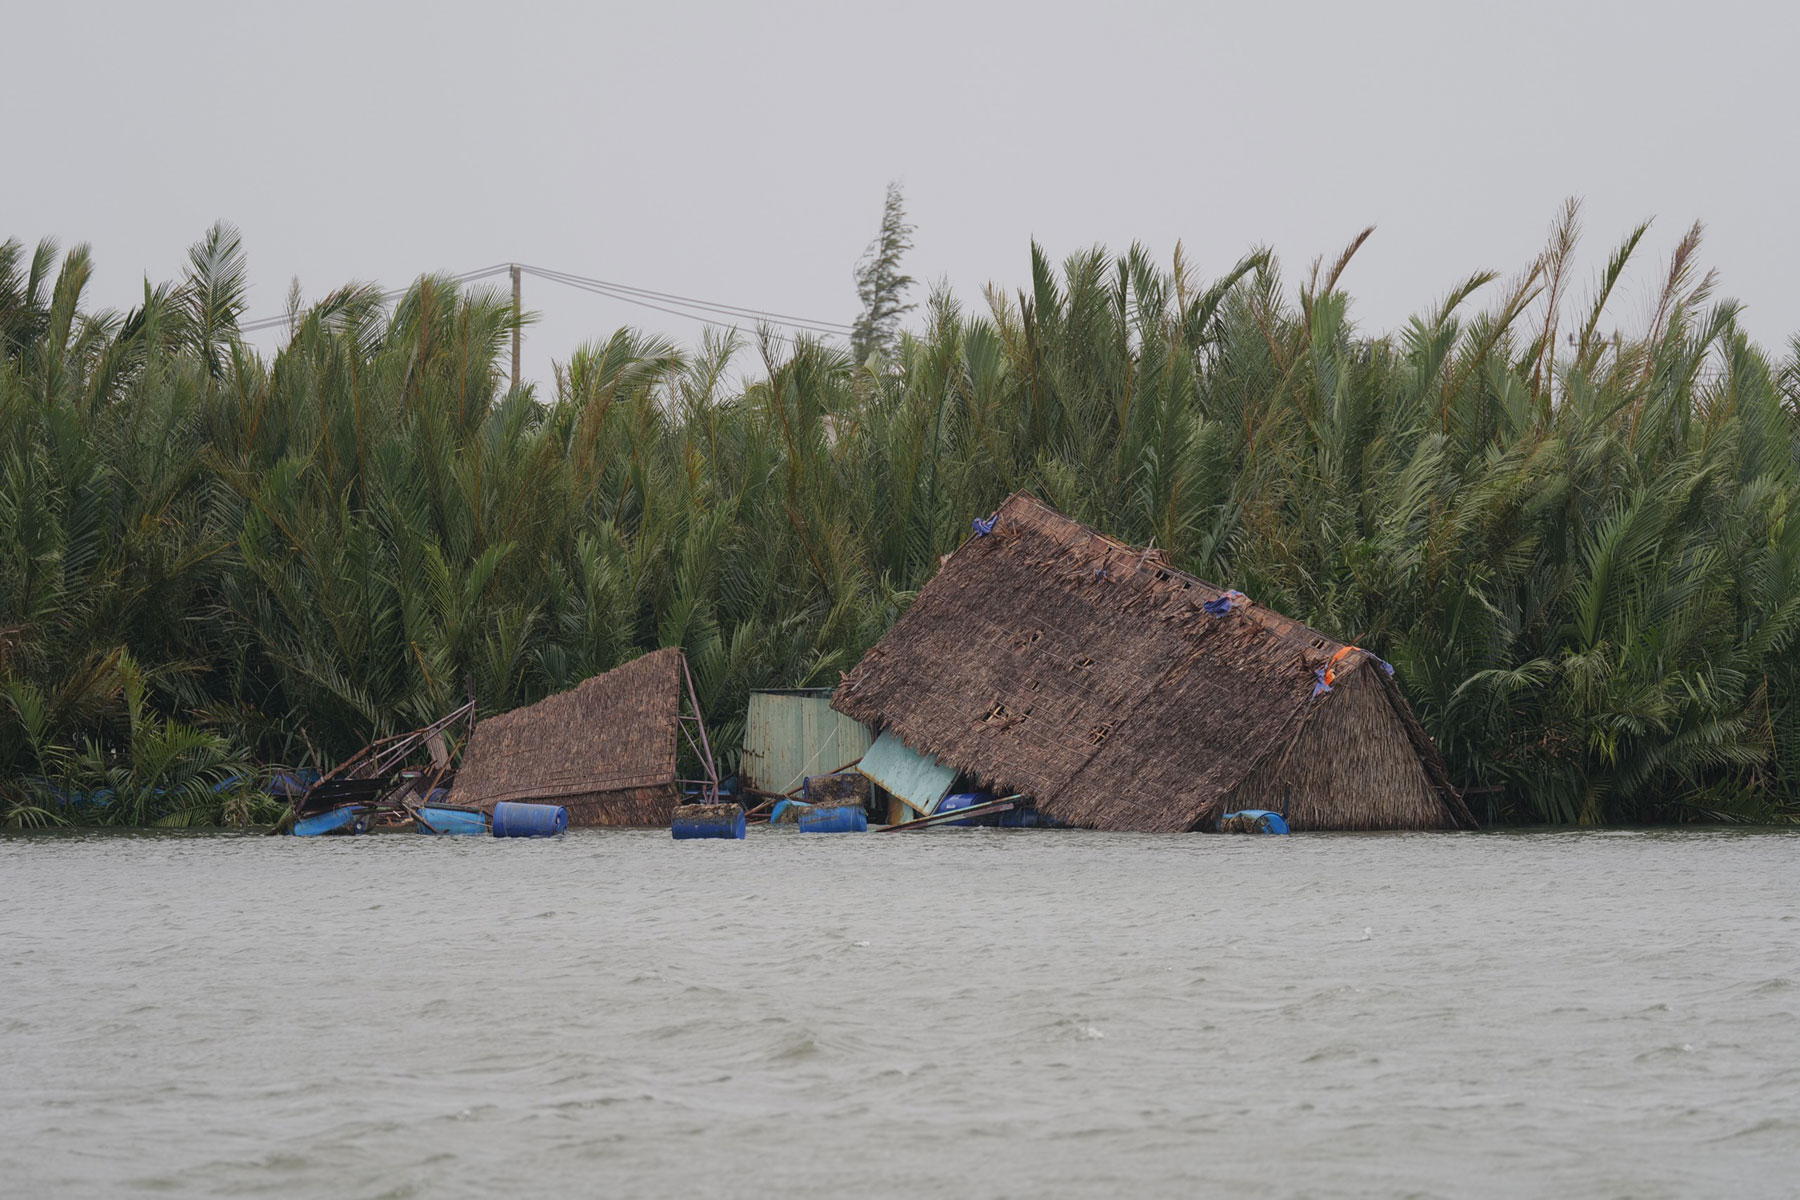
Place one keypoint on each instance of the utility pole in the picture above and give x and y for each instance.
(516, 320)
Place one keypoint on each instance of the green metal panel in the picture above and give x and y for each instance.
(790, 735)
(918, 779)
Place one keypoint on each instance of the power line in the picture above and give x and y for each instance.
(816, 324)
(674, 312)
(707, 312)
(262, 323)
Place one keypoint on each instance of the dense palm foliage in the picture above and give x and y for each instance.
(1580, 548)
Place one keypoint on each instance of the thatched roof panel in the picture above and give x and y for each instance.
(606, 748)
(1049, 659)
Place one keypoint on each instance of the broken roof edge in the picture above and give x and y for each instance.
(1149, 559)
(1431, 760)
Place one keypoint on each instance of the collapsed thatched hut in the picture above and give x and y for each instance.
(1048, 659)
(605, 750)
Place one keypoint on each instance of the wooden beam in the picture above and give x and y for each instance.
(956, 814)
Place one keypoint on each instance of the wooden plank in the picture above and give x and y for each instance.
(978, 810)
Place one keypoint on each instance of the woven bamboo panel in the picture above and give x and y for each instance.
(1048, 659)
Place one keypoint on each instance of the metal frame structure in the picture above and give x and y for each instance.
(709, 787)
(377, 762)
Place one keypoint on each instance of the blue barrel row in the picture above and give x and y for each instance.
(727, 820)
(509, 820)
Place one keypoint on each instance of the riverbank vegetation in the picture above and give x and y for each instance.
(1578, 543)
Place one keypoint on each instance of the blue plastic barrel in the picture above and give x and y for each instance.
(845, 818)
(452, 822)
(731, 826)
(962, 800)
(529, 820)
(1267, 821)
(350, 819)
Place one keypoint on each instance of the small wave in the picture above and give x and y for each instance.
(794, 1050)
(1784, 1127)
(1332, 1054)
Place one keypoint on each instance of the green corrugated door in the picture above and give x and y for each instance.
(788, 736)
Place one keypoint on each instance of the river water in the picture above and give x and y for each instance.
(963, 1013)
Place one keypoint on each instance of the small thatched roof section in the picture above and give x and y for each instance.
(606, 749)
(1048, 659)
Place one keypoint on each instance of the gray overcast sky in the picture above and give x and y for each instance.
(738, 152)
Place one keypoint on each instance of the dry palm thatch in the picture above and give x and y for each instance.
(845, 787)
(1048, 659)
(605, 750)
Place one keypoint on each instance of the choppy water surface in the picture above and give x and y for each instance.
(958, 1013)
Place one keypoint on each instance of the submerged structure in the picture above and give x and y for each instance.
(1049, 660)
(607, 750)
(374, 789)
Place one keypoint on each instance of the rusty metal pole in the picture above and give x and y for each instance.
(516, 318)
(712, 768)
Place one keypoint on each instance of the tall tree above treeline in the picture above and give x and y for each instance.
(880, 285)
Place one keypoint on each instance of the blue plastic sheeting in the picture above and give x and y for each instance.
(847, 818)
(529, 820)
(964, 800)
(353, 819)
(919, 780)
(292, 783)
(782, 806)
(1225, 603)
(1267, 821)
(685, 828)
(452, 822)
(56, 795)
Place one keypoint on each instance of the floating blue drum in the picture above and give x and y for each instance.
(453, 822)
(1253, 820)
(707, 821)
(962, 800)
(351, 819)
(529, 820)
(845, 818)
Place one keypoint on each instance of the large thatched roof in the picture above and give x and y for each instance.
(1048, 659)
(605, 749)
